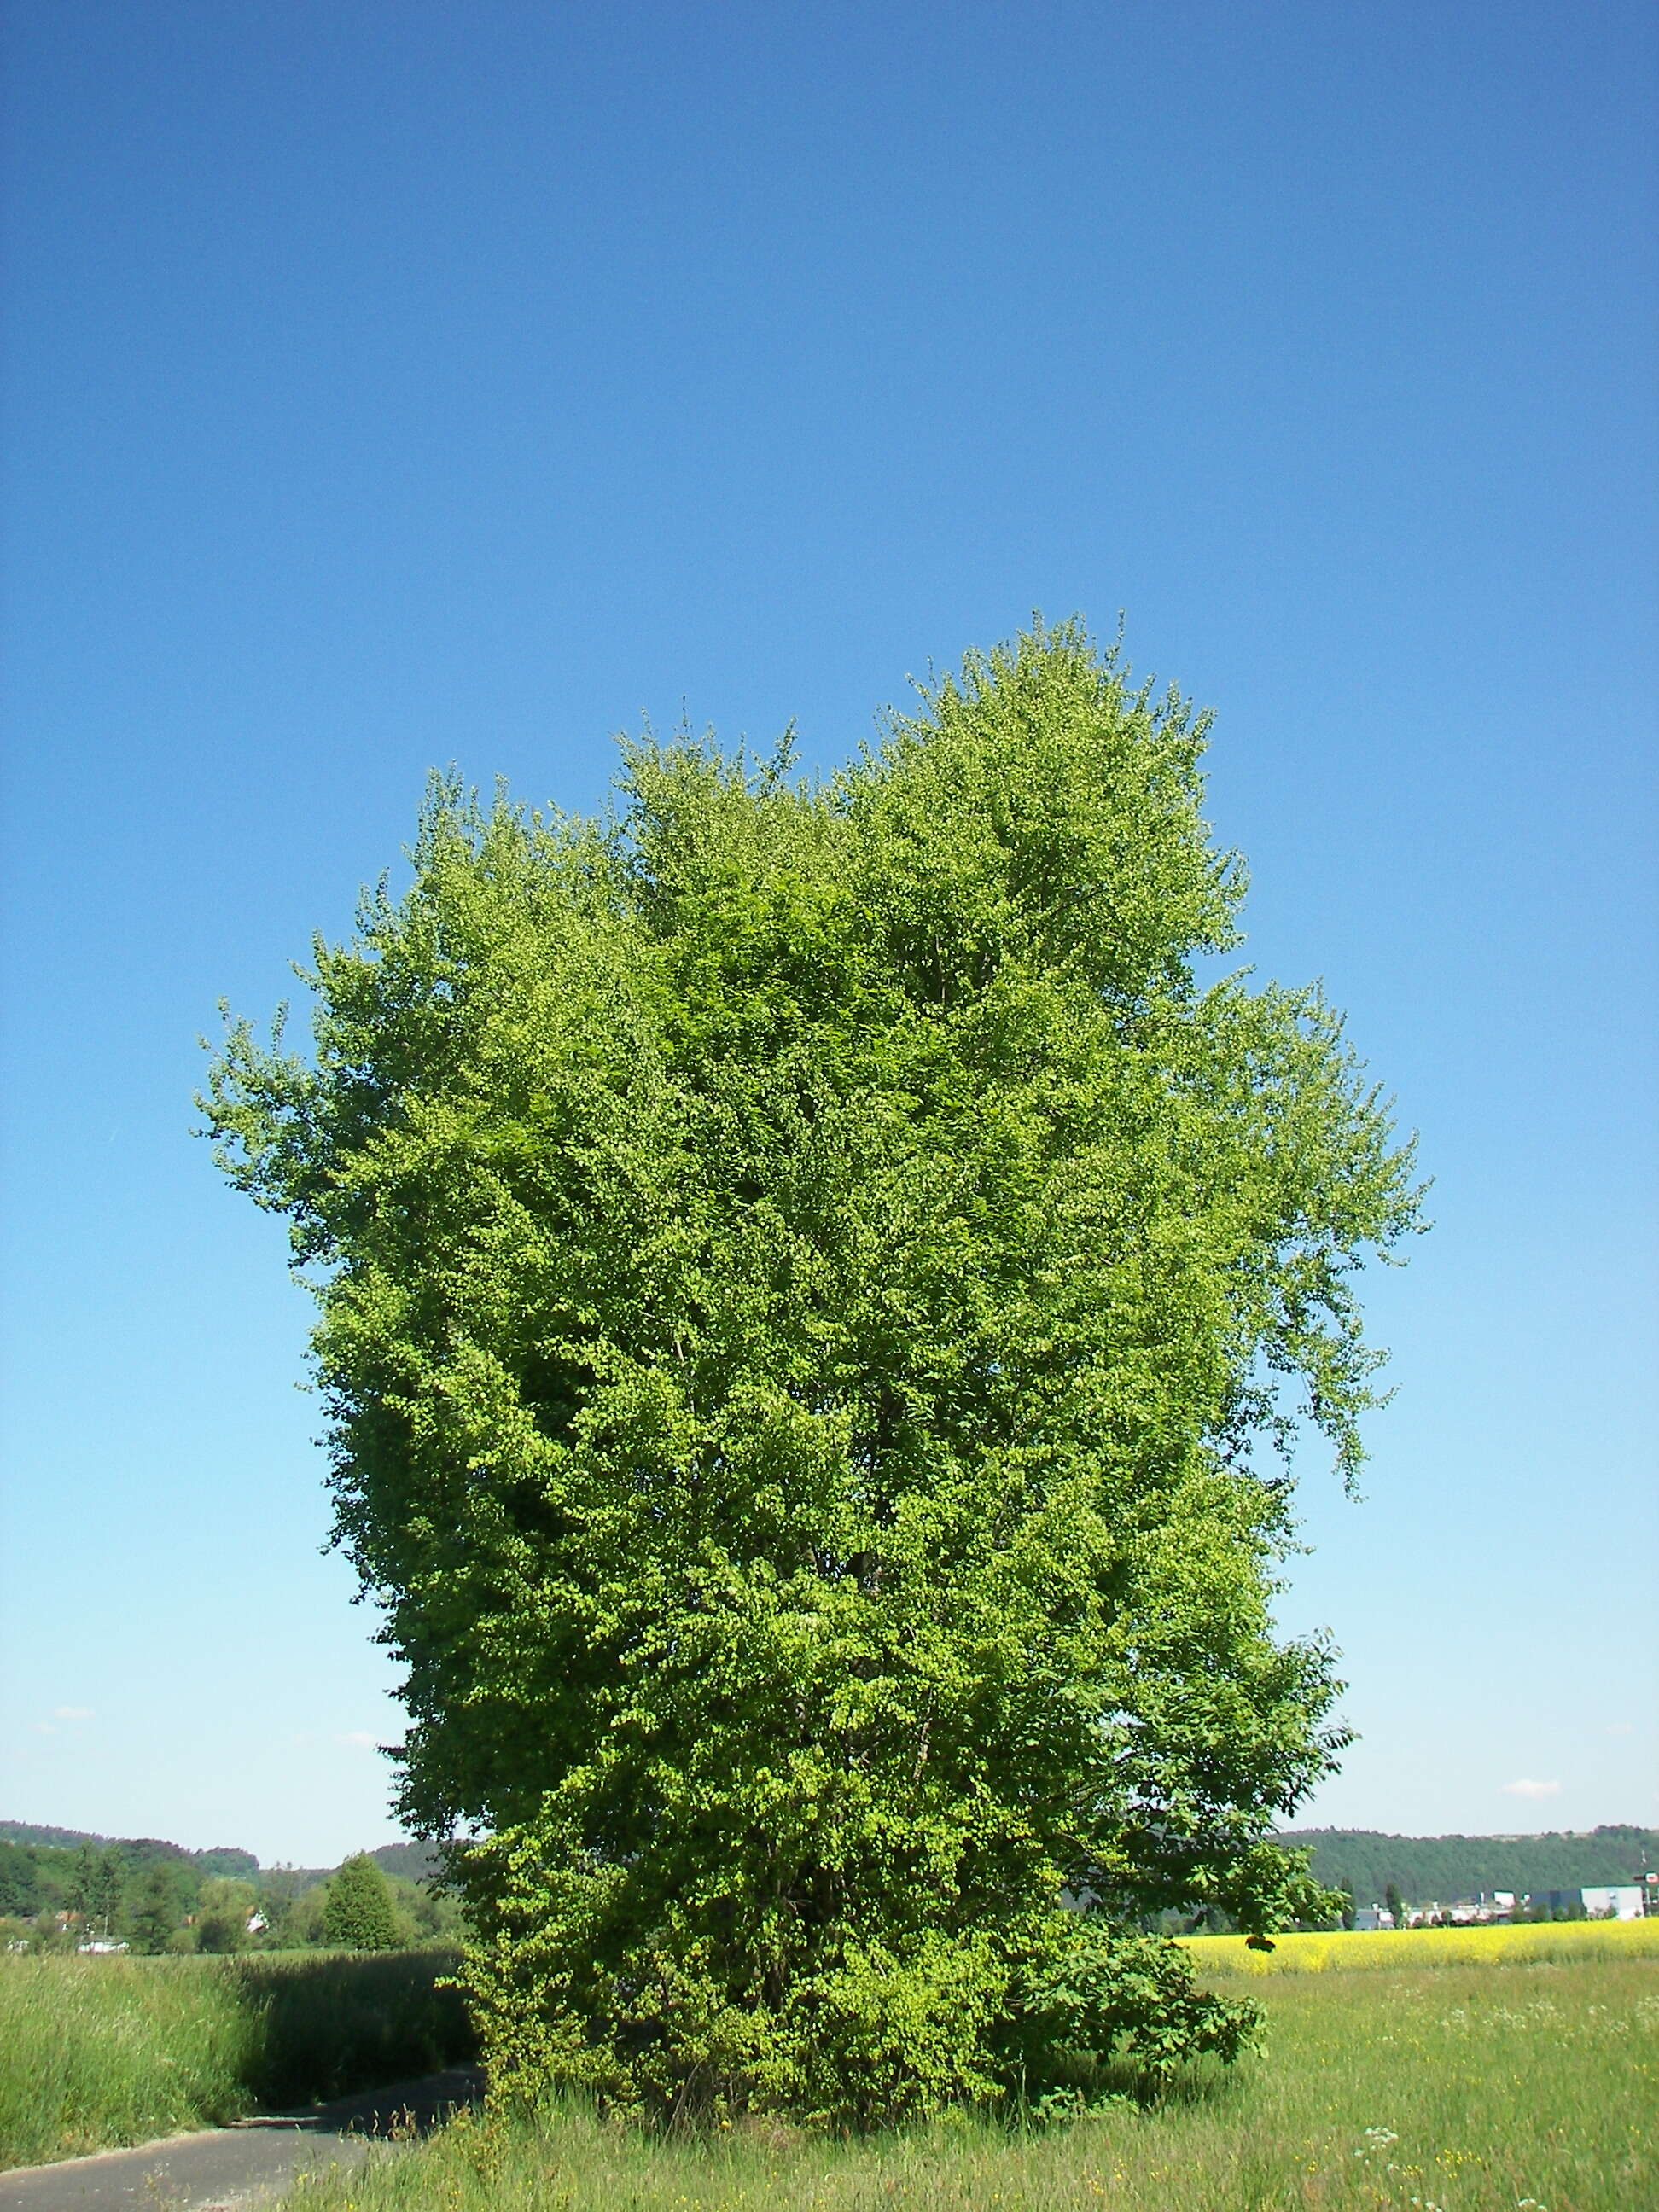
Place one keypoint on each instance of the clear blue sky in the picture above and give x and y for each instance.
(388, 386)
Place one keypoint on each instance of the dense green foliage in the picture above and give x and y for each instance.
(1444, 1868)
(225, 1910)
(358, 1914)
(802, 1272)
(1474, 2089)
(96, 2051)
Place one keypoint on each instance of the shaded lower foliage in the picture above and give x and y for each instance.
(886, 2031)
(327, 2026)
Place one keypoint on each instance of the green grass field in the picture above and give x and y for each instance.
(1490, 2077)
(101, 2051)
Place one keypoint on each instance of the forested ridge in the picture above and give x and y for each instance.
(42, 1867)
(1556, 1859)
(408, 1862)
(1364, 1862)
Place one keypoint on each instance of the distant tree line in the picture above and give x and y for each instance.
(1368, 1865)
(152, 1896)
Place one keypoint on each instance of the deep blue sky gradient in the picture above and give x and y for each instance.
(393, 386)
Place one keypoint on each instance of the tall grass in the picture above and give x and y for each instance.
(1461, 2087)
(100, 2050)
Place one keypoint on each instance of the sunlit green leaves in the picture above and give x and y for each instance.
(801, 1270)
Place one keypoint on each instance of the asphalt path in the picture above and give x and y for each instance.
(219, 2168)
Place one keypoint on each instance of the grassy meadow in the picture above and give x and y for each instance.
(1491, 2070)
(95, 2051)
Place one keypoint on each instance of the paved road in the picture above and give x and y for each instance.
(221, 2168)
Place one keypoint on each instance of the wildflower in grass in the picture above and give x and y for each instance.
(1374, 2142)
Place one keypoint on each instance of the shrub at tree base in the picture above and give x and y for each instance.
(802, 1270)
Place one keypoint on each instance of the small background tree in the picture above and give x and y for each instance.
(20, 1883)
(358, 1914)
(158, 1915)
(223, 1910)
(85, 1881)
(108, 1894)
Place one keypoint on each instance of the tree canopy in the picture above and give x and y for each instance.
(806, 1272)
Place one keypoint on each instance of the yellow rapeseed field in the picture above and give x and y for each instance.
(1359, 1949)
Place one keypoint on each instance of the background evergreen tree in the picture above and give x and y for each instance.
(19, 1881)
(157, 1915)
(358, 1914)
(85, 1880)
(108, 1894)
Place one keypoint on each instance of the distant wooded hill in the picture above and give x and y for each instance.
(1361, 1860)
(409, 1861)
(1441, 1869)
(225, 1859)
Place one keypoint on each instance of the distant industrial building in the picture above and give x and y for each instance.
(1606, 1901)
(1610, 1901)
(1621, 1901)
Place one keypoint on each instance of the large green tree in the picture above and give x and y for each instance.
(803, 1271)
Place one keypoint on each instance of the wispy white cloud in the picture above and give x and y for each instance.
(61, 1714)
(1619, 1728)
(358, 1739)
(1525, 1788)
